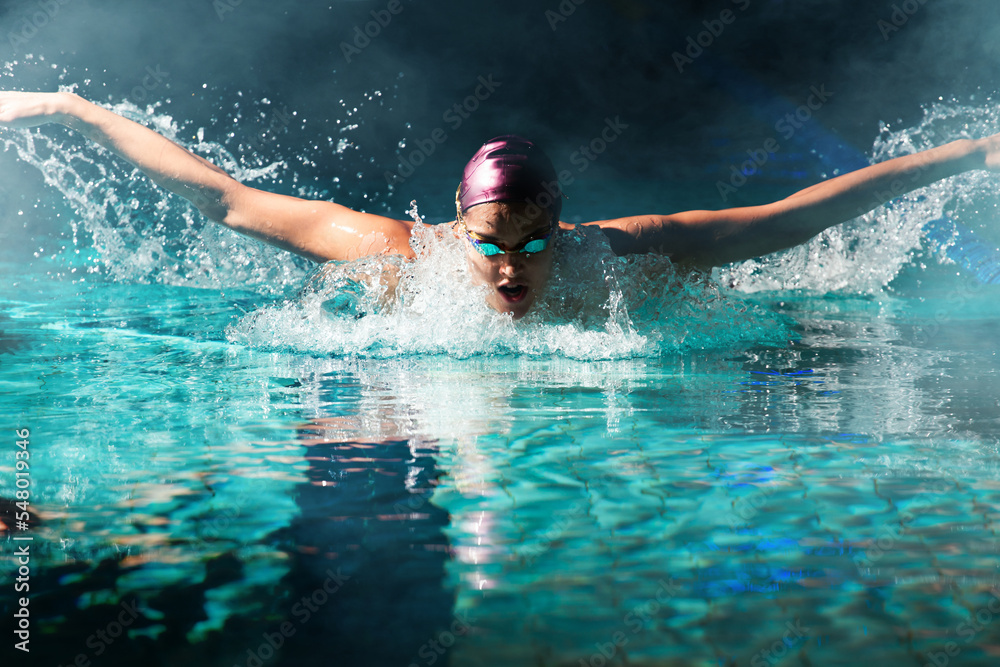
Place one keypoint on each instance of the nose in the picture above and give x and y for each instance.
(509, 265)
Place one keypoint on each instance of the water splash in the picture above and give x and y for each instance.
(864, 256)
(597, 306)
(142, 234)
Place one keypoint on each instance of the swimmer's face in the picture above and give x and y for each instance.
(514, 279)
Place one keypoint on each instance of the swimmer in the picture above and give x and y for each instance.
(507, 205)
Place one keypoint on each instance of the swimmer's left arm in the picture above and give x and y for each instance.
(714, 238)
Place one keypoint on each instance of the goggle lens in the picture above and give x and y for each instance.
(490, 249)
(487, 249)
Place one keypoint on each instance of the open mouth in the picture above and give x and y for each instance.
(512, 293)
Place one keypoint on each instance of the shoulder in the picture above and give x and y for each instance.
(637, 233)
(319, 230)
(688, 237)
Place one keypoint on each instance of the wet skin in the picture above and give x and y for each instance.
(515, 280)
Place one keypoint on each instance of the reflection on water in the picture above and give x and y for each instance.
(517, 509)
(367, 551)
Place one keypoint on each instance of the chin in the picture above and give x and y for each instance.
(518, 314)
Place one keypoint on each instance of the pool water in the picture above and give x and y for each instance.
(237, 460)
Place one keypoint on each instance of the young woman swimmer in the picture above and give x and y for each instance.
(508, 203)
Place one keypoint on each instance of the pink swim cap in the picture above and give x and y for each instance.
(511, 169)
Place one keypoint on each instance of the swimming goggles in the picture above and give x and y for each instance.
(489, 249)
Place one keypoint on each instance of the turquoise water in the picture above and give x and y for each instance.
(238, 460)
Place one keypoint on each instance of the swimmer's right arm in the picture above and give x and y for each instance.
(317, 230)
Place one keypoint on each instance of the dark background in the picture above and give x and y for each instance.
(607, 59)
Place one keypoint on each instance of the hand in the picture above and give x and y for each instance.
(990, 148)
(29, 109)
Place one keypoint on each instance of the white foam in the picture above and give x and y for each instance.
(597, 306)
(141, 233)
(865, 255)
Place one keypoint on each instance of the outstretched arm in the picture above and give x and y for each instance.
(317, 230)
(714, 238)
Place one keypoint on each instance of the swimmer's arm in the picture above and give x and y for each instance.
(317, 230)
(714, 238)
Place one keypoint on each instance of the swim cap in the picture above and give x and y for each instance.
(510, 169)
